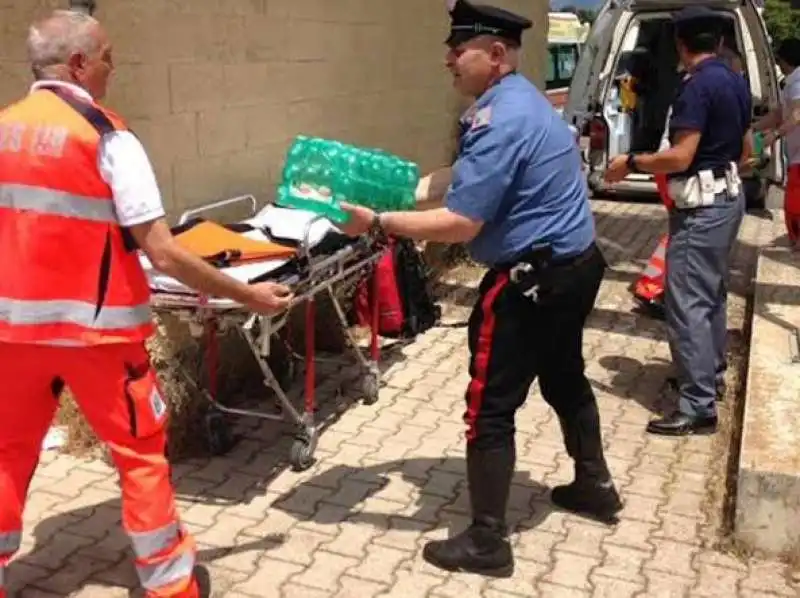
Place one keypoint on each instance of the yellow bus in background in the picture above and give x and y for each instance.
(565, 37)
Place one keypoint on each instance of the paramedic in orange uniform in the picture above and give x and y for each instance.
(76, 190)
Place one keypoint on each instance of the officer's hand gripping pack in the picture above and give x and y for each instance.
(319, 174)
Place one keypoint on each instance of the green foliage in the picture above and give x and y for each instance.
(783, 21)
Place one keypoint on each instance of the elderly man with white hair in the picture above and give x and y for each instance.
(77, 197)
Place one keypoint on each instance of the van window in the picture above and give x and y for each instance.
(562, 59)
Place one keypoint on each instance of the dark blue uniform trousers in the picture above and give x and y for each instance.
(698, 270)
(514, 340)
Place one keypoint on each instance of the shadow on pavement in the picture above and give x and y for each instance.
(637, 381)
(88, 546)
(441, 502)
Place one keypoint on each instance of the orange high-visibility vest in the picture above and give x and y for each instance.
(66, 274)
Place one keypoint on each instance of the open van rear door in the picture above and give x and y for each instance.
(775, 170)
(585, 85)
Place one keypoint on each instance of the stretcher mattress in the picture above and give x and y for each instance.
(275, 225)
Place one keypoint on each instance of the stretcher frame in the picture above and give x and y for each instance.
(209, 317)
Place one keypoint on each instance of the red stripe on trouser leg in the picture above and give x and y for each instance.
(118, 391)
(791, 203)
(483, 351)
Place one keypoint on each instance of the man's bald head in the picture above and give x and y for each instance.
(70, 46)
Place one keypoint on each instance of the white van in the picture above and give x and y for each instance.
(565, 36)
(640, 32)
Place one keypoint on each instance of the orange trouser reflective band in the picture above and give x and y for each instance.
(650, 284)
(791, 205)
(117, 391)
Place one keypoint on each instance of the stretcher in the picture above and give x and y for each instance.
(309, 255)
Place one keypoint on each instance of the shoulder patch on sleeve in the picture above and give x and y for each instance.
(482, 118)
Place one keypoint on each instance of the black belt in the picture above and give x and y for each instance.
(717, 171)
(539, 270)
(554, 262)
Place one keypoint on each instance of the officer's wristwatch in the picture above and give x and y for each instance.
(376, 229)
(631, 164)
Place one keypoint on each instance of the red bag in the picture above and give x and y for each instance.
(390, 307)
(405, 307)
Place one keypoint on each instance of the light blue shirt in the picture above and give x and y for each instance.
(519, 172)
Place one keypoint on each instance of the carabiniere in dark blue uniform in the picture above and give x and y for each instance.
(519, 173)
(715, 102)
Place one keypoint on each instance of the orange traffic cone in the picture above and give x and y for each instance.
(649, 288)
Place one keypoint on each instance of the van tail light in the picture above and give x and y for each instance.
(598, 134)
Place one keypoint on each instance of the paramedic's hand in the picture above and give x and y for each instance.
(361, 220)
(617, 170)
(269, 297)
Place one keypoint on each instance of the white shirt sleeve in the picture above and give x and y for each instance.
(792, 91)
(124, 165)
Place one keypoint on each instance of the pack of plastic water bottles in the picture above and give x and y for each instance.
(319, 174)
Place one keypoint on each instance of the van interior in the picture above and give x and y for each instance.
(647, 71)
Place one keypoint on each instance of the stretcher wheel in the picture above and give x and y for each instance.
(370, 387)
(302, 454)
(218, 434)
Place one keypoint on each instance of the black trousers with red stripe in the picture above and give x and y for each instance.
(514, 341)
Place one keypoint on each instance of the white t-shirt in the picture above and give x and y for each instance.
(791, 95)
(124, 165)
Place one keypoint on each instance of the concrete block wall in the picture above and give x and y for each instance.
(216, 89)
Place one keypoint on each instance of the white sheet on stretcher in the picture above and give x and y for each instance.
(282, 223)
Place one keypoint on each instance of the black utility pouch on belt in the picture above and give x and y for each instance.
(531, 275)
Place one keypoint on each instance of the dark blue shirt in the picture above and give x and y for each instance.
(716, 101)
(519, 172)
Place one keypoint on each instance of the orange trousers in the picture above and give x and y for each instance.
(117, 390)
(791, 204)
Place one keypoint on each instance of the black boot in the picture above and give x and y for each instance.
(592, 493)
(483, 547)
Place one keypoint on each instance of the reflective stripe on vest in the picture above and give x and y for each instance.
(10, 542)
(170, 571)
(148, 544)
(28, 313)
(46, 201)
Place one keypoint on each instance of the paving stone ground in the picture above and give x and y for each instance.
(391, 476)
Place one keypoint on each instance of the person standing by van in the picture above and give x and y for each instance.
(648, 289)
(783, 121)
(709, 128)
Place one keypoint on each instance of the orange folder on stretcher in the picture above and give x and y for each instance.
(224, 247)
